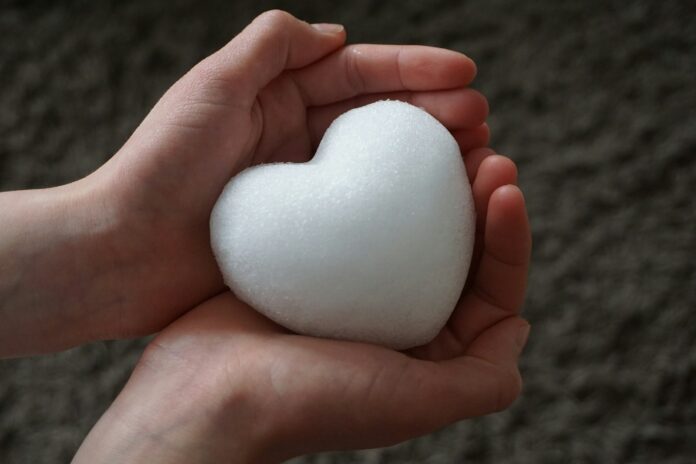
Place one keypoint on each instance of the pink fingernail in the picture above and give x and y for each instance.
(328, 28)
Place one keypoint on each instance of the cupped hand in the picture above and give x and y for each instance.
(266, 96)
(226, 381)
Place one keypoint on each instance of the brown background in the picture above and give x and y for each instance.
(594, 100)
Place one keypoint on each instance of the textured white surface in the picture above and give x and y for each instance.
(369, 241)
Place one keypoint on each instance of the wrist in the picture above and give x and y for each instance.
(174, 412)
(52, 248)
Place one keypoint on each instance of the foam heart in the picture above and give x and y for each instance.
(369, 241)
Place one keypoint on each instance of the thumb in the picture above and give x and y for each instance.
(501, 344)
(232, 76)
(273, 42)
(482, 381)
(495, 382)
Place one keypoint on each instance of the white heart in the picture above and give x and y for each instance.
(369, 241)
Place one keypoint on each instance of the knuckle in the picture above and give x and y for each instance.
(353, 56)
(272, 28)
(274, 18)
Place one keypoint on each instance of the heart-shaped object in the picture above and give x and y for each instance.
(369, 241)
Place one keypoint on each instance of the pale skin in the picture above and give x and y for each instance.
(125, 252)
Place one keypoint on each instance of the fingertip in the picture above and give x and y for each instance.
(471, 139)
(485, 133)
(458, 109)
(508, 198)
(508, 234)
(333, 33)
(474, 69)
(502, 343)
(329, 28)
(500, 168)
(522, 336)
(493, 172)
(462, 66)
(486, 108)
(473, 160)
(476, 106)
(468, 70)
(462, 108)
(460, 63)
(430, 68)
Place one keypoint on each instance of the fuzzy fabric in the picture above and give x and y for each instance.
(594, 100)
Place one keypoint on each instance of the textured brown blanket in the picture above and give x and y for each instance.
(595, 101)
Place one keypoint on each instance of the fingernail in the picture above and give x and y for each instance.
(522, 336)
(328, 28)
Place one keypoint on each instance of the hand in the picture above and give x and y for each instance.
(267, 96)
(224, 383)
(137, 230)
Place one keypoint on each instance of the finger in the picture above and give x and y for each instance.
(492, 361)
(473, 315)
(498, 286)
(470, 139)
(460, 108)
(482, 381)
(507, 248)
(273, 42)
(360, 69)
(493, 171)
(501, 344)
(473, 160)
